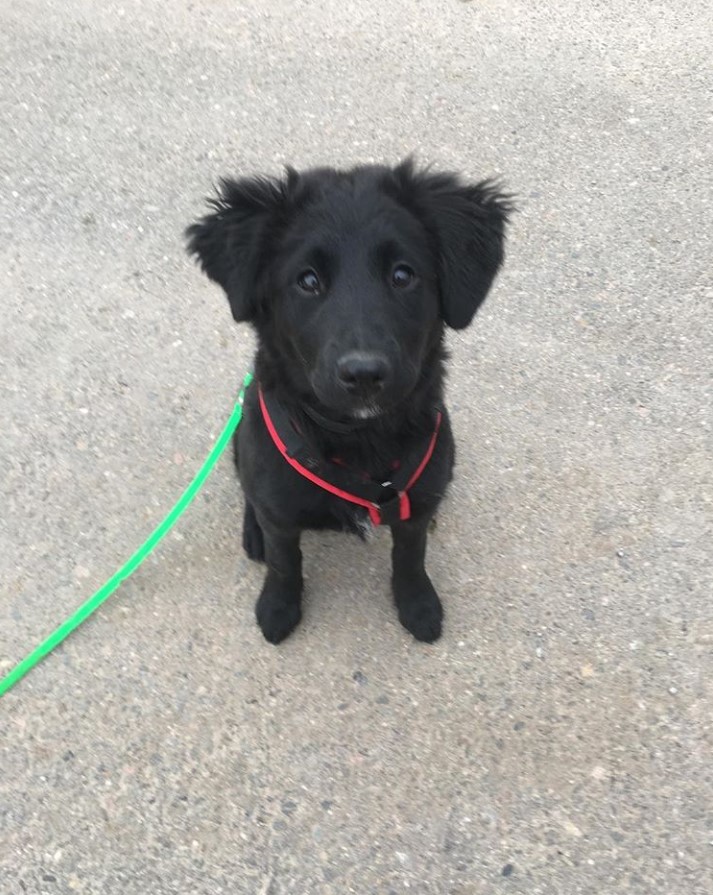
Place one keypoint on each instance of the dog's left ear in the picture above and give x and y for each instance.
(467, 223)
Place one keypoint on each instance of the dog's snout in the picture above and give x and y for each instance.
(361, 372)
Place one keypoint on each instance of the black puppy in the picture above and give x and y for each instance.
(348, 279)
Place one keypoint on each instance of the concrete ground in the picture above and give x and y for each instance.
(557, 740)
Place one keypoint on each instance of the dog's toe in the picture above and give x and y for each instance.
(277, 616)
(424, 622)
(421, 613)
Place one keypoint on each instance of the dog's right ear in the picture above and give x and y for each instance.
(229, 243)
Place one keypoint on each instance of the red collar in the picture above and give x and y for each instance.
(386, 502)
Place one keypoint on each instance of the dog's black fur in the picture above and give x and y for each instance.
(348, 279)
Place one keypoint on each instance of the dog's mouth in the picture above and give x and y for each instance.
(341, 409)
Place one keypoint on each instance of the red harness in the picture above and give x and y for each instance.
(386, 502)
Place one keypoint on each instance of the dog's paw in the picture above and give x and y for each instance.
(278, 614)
(253, 540)
(421, 612)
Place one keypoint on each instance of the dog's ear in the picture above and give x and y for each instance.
(467, 223)
(229, 242)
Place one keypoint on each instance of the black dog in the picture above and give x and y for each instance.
(348, 279)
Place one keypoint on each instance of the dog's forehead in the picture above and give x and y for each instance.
(354, 206)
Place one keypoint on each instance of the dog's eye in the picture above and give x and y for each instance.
(308, 281)
(402, 276)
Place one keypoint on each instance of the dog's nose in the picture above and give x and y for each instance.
(361, 372)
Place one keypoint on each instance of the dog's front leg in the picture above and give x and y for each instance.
(278, 608)
(420, 610)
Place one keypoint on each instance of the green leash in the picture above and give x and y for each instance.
(161, 530)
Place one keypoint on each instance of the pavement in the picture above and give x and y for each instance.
(558, 739)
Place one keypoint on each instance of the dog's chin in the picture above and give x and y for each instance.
(368, 412)
(360, 409)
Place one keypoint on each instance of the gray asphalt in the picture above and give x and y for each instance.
(558, 738)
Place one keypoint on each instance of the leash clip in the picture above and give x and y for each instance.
(394, 509)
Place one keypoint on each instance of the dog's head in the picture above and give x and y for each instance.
(348, 277)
